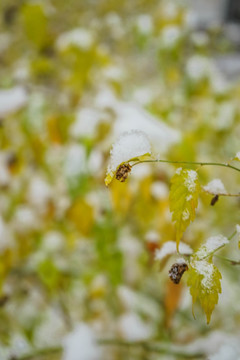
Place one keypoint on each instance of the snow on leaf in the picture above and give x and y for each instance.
(184, 193)
(204, 283)
(169, 248)
(212, 244)
(132, 145)
(237, 156)
(215, 187)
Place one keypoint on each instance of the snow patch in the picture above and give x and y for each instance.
(81, 344)
(212, 244)
(12, 100)
(169, 248)
(215, 187)
(190, 181)
(130, 145)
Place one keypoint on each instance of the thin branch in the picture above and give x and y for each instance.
(220, 194)
(158, 348)
(40, 353)
(232, 262)
(154, 347)
(220, 247)
(189, 163)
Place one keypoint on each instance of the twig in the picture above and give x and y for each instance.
(144, 345)
(188, 163)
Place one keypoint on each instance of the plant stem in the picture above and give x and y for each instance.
(38, 354)
(153, 347)
(144, 345)
(233, 262)
(188, 163)
(220, 247)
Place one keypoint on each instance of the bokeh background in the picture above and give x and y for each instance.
(76, 258)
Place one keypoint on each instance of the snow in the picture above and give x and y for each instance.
(169, 248)
(12, 100)
(178, 171)
(85, 124)
(133, 328)
(238, 229)
(25, 219)
(133, 301)
(206, 269)
(180, 261)
(215, 187)
(50, 330)
(230, 350)
(159, 190)
(144, 24)
(39, 193)
(79, 37)
(75, 161)
(212, 244)
(152, 236)
(130, 115)
(170, 36)
(237, 156)
(130, 145)
(190, 180)
(81, 344)
(53, 241)
(185, 215)
(198, 67)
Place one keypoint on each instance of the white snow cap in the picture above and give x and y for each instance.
(169, 248)
(215, 187)
(129, 145)
(81, 344)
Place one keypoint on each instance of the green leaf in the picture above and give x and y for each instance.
(184, 192)
(204, 283)
(35, 24)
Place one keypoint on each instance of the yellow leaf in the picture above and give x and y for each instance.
(111, 174)
(237, 157)
(81, 214)
(184, 193)
(35, 24)
(204, 283)
(109, 178)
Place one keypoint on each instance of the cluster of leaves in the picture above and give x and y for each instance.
(203, 276)
(69, 248)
